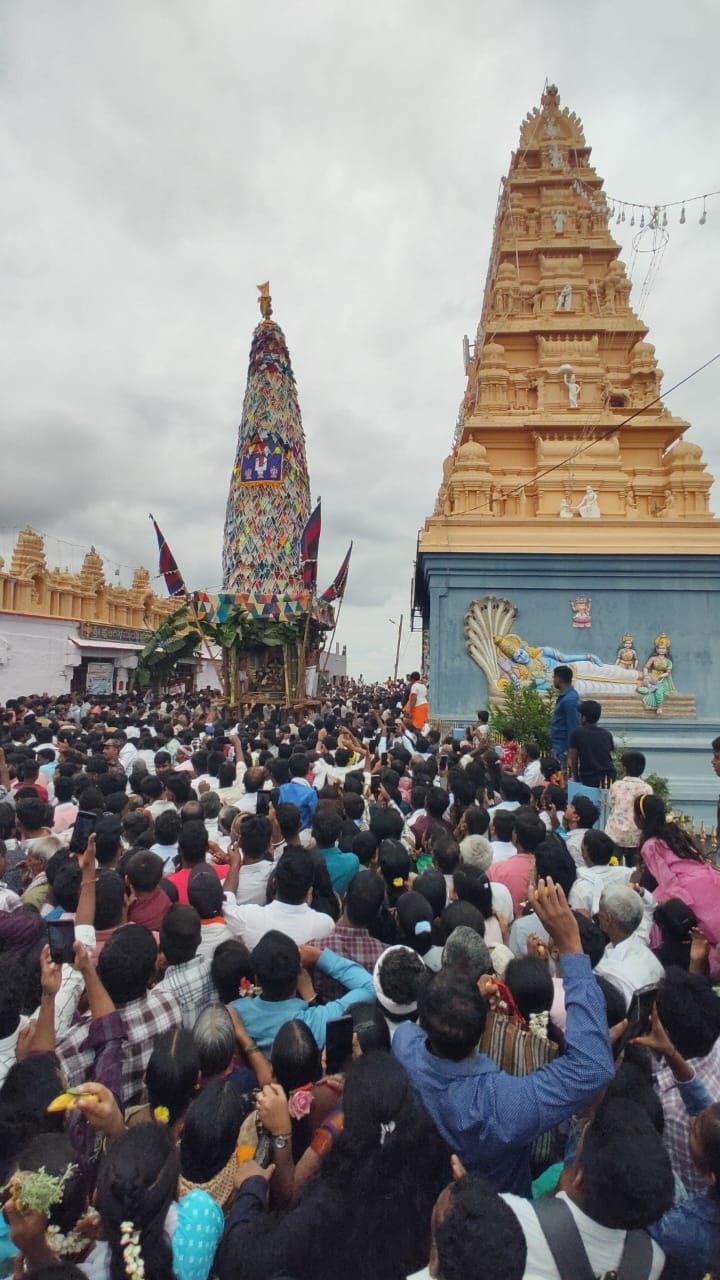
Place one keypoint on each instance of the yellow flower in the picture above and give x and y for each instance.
(398, 882)
(613, 862)
(162, 1115)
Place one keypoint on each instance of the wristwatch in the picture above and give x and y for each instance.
(280, 1141)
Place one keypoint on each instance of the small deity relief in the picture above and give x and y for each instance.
(557, 159)
(532, 222)
(626, 655)
(632, 506)
(573, 388)
(667, 504)
(522, 503)
(559, 218)
(566, 511)
(582, 611)
(589, 508)
(656, 681)
(498, 501)
(564, 302)
(552, 129)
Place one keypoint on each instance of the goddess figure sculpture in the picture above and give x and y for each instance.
(626, 655)
(656, 681)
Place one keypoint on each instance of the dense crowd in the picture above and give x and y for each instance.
(322, 992)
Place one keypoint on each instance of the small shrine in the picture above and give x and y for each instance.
(568, 478)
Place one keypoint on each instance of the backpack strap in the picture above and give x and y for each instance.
(564, 1240)
(565, 1244)
(637, 1259)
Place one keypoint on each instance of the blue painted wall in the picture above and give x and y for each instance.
(641, 594)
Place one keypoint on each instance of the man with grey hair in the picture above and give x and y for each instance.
(214, 1035)
(467, 951)
(628, 962)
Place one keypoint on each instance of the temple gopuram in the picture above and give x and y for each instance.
(573, 522)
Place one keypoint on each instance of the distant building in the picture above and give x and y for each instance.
(62, 632)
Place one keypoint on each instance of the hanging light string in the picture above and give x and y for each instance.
(656, 213)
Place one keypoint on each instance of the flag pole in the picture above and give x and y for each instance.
(327, 652)
(301, 693)
(189, 599)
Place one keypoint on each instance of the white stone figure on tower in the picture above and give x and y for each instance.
(566, 511)
(573, 388)
(559, 218)
(564, 302)
(589, 508)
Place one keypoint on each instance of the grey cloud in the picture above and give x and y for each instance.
(159, 161)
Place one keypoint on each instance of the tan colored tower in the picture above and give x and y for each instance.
(544, 459)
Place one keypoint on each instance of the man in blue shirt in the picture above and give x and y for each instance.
(286, 989)
(566, 716)
(298, 790)
(342, 867)
(488, 1118)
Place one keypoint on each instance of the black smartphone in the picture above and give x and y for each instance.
(274, 797)
(61, 940)
(384, 759)
(338, 1044)
(442, 762)
(639, 1017)
(82, 831)
(263, 803)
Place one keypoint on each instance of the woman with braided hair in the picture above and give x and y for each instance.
(675, 867)
(147, 1234)
(366, 1216)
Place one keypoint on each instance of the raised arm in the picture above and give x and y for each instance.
(528, 1106)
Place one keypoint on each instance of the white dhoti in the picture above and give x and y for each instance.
(592, 680)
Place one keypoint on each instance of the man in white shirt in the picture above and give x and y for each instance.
(596, 874)
(255, 780)
(531, 770)
(251, 866)
(621, 1183)
(290, 912)
(628, 962)
(501, 829)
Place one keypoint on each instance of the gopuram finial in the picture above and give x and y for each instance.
(265, 300)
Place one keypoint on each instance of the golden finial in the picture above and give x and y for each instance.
(265, 300)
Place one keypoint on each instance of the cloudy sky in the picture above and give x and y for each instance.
(159, 158)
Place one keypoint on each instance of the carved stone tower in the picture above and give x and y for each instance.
(558, 365)
(568, 477)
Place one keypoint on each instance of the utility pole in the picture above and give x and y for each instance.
(397, 651)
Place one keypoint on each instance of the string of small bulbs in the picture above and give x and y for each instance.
(653, 217)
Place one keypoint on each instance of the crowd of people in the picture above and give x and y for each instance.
(325, 992)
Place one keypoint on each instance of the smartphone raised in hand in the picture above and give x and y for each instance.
(84, 826)
(639, 1017)
(338, 1044)
(61, 940)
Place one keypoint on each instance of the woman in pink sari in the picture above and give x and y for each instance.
(680, 870)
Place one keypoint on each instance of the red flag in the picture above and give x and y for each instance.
(309, 547)
(336, 590)
(168, 567)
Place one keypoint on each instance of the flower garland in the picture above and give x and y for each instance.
(132, 1257)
